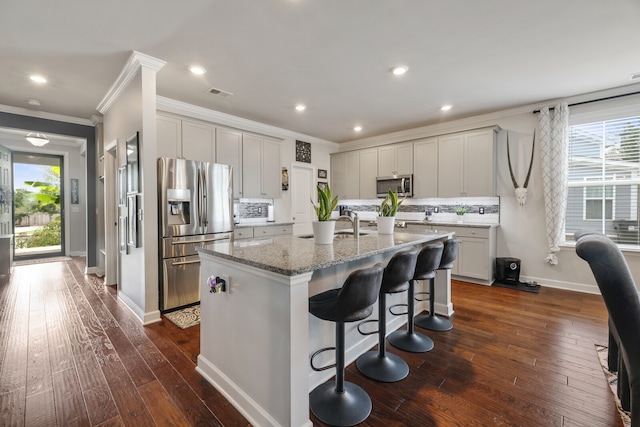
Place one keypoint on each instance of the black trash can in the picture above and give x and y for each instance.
(508, 270)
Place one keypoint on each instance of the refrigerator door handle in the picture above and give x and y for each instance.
(205, 203)
(199, 196)
(176, 263)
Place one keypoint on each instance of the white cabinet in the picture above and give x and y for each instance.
(476, 254)
(198, 141)
(229, 152)
(396, 159)
(425, 168)
(368, 173)
(260, 167)
(168, 137)
(262, 231)
(345, 175)
(466, 164)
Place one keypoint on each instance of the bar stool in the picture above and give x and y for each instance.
(344, 403)
(430, 321)
(426, 266)
(379, 365)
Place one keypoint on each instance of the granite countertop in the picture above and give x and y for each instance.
(454, 223)
(292, 255)
(260, 224)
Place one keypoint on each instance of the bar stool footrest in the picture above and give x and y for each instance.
(367, 321)
(324, 368)
(398, 305)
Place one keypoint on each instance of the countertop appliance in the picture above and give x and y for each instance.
(195, 206)
(402, 184)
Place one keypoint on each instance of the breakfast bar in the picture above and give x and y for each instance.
(256, 334)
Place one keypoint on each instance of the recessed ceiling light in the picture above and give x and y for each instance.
(357, 128)
(300, 107)
(399, 70)
(446, 107)
(38, 79)
(198, 70)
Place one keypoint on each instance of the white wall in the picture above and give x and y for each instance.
(522, 231)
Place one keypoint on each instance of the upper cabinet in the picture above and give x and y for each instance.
(229, 152)
(169, 137)
(425, 168)
(368, 173)
(396, 159)
(345, 175)
(261, 171)
(466, 163)
(198, 141)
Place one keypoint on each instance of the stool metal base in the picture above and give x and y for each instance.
(388, 368)
(411, 341)
(433, 323)
(348, 408)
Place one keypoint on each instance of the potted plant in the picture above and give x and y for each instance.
(460, 211)
(387, 212)
(324, 228)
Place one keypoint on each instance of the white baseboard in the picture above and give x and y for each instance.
(145, 318)
(577, 287)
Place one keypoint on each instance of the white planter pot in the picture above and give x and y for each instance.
(386, 224)
(323, 232)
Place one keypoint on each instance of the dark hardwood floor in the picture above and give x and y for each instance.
(71, 354)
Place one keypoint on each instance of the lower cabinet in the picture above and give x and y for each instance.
(476, 254)
(262, 231)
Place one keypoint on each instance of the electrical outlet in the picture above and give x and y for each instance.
(259, 210)
(481, 210)
(436, 209)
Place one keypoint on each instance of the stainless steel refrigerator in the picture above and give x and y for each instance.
(195, 206)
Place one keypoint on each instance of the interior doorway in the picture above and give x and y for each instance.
(38, 201)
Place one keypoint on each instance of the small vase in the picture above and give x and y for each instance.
(460, 219)
(323, 232)
(386, 224)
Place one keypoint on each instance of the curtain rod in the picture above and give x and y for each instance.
(595, 100)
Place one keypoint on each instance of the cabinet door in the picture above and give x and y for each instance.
(425, 168)
(251, 165)
(229, 152)
(271, 170)
(169, 137)
(368, 172)
(198, 141)
(473, 258)
(479, 163)
(450, 165)
(404, 159)
(387, 161)
(352, 176)
(337, 174)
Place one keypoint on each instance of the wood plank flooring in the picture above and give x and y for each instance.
(71, 354)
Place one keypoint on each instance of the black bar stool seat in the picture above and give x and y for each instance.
(380, 365)
(343, 403)
(430, 321)
(426, 266)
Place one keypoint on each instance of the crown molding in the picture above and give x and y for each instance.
(169, 105)
(136, 61)
(44, 115)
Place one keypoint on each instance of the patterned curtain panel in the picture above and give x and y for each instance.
(554, 142)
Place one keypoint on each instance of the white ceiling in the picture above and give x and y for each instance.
(332, 55)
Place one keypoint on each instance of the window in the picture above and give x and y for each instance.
(604, 176)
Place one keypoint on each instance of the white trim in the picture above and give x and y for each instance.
(563, 284)
(44, 115)
(193, 111)
(134, 63)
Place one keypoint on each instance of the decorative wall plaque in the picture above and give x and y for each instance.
(303, 152)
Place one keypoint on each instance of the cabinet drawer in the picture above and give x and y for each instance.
(243, 233)
(273, 230)
(482, 233)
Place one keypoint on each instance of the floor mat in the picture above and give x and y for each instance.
(612, 379)
(186, 317)
(520, 286)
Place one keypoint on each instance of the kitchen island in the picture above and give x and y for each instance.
(257, 336)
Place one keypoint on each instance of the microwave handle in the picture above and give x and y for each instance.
(404, 188)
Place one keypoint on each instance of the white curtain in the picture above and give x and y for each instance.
(553, 127)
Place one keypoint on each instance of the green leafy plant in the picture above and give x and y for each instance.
(460, 210)
(389, 205)
(326, 203)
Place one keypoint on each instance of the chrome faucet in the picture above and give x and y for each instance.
(355, 221)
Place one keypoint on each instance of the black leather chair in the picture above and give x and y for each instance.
(620, 295)
(430, 320)
(343, 403)
(379, 365)
(426, 266)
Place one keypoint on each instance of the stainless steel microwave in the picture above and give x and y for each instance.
(403, 184)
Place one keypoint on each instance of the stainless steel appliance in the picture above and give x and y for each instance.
(195, 206)
(402, 184)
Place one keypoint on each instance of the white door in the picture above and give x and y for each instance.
(302, 192)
